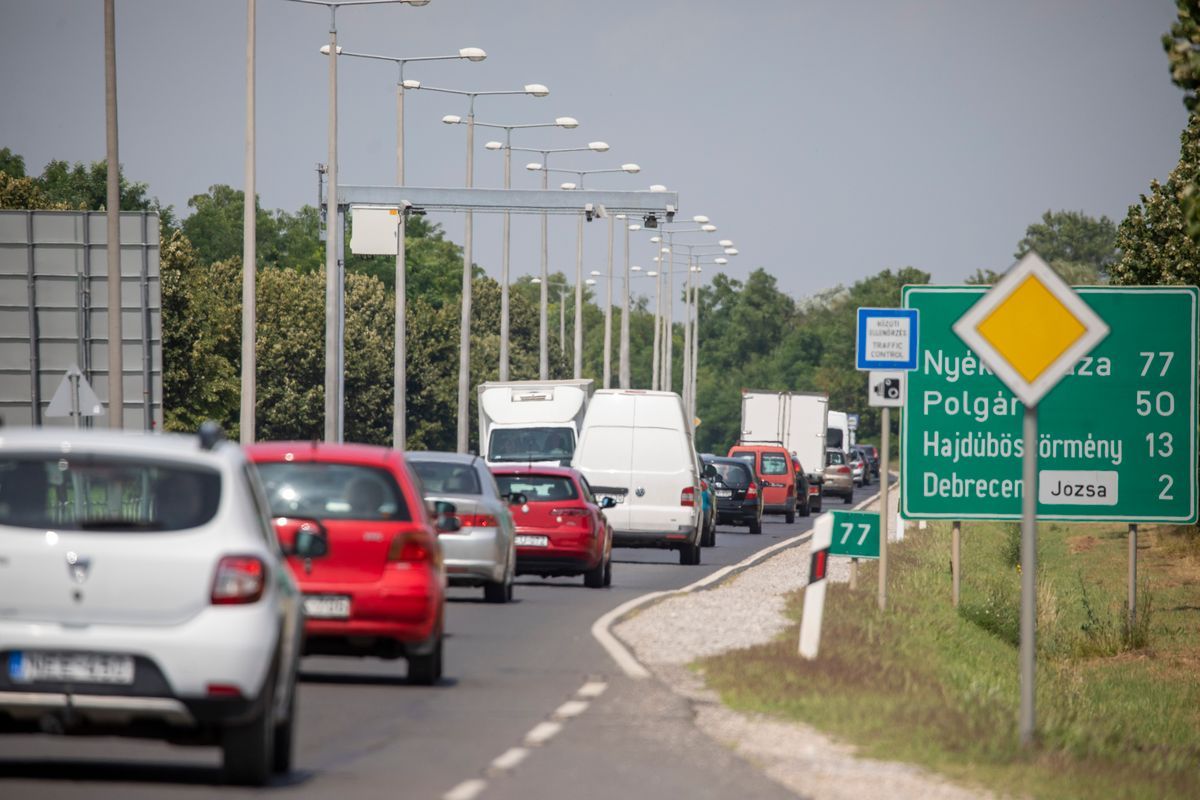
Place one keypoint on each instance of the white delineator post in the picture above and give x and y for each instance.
(814, 592)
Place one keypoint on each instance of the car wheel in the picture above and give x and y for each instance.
(608, 572)
(248, 749)
(689, 555)
(756, 525)
(805, 508)
(790, 515)
(849, 498)
(497, 592)
(281, 753)
(594, 577)
(426, 670)
(820, 504)
(709, 539)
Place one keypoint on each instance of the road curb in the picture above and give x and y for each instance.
(616, 649)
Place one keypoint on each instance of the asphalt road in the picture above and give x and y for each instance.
(365, 733)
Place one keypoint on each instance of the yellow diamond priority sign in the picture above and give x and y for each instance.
(1030, 329)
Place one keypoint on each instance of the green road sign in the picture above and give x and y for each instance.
(1116, 437)
(855, 534)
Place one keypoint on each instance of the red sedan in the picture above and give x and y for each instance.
(379, 591)
(561, 528)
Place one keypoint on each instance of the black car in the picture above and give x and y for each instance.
(869, 458)
(739, 501)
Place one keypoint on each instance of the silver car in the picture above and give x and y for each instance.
(482, 551)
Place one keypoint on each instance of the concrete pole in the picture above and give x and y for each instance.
(695, 343)
(464, 338)
(608, 307)
(624, 367)
(400, 363)
(333, 366)
(687, 338)
(668, 379)
(884, 444)
(504, 326)
(544, 304)
(955, 561)
(249, 247)
(116, 367)
(578, 371)
(1028, 650)
(656, 371)
(1131, 603)
(562, 321)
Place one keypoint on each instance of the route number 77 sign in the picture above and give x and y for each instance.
(855, 534)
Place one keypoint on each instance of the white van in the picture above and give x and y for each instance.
(837, 434)
(636, 447)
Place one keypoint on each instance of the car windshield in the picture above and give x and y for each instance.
(538, 488)
(531, 444)
(442, 477)
(105, 493)
(736, 476)
(834, 457)
(317, 490)
(775, 464)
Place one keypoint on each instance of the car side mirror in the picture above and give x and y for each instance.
(608, 502)
(517, 499)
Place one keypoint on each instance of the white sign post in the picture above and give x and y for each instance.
(1031, 328)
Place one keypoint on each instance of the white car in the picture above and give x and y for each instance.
(143, 593)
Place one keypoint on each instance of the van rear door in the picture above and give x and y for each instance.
(606, 450)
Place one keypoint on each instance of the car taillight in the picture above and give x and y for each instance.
(569, 512)
(704, 486)
(477, 520)
(752, 492)
(239, 579)
(412, 548)
(688, 496)
(223, 690)
(843, 470)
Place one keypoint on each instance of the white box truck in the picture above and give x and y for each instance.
(797, 420)
(531, 422)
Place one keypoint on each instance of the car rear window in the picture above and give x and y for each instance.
(317, 490)
(736, 476)
(834, 458)
(776, 464)
(538, 487)
(745, 455)
(105, 493)
(441, 477)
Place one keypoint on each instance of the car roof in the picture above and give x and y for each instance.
(168, 446)
(366, 454)
(443, 457)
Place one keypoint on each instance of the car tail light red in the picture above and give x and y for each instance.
(752, 492)
(688, 496)
(570, 512)
(477, 520)
(224, 690)
(239, 579)
(412, 547)
(844, 470)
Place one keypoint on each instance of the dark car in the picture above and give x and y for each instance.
(872, 463)
(739, 500)
(872, 453)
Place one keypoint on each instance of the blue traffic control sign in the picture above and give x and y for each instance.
(887, 339)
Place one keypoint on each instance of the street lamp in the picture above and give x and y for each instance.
(464, 358)
(562, 311)
(625, 373)
(631, 169)
(719, 261)
(400, 363)
(334, 331)
(559, 122)
(543, 304)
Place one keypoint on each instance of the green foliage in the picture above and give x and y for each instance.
(215, 226)
(1183, 50)
(11, 164)
(1072, 242)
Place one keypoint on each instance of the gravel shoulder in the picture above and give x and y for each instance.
(746, 610)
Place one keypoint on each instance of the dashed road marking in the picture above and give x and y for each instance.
(509, 759)
(571, 708)
(592, 689)
(467, 790)
(542, 733)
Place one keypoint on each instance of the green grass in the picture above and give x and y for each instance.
(1118, 707)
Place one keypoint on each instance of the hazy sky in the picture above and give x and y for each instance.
(828, 139)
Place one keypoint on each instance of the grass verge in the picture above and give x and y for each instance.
(1118, 706)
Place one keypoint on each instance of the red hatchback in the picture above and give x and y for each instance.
(561, 528)
(379, 591)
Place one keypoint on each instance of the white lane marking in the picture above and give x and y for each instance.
(617, 650)
(509, 759)
(571, 708)
(542, 733)
(592, 689)
(467, 790)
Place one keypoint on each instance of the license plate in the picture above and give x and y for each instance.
(36, 667)
(327, 606)
(532, 541)
(724, 493)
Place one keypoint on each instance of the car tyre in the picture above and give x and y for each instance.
(790, 515)
(608, 571)
(817, 508)
(709, 539)
(689, 555)
(284, 744)
(849, 498)
(248, 749)
(805, 508)
(426, 670)
(756, 525)
(594, 577)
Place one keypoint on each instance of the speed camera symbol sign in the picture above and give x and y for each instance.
(885, 388)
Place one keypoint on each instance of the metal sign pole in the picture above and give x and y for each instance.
(955, 560)
(74, 378)
(1028, 652)
(1132, 603)
(885, 443)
